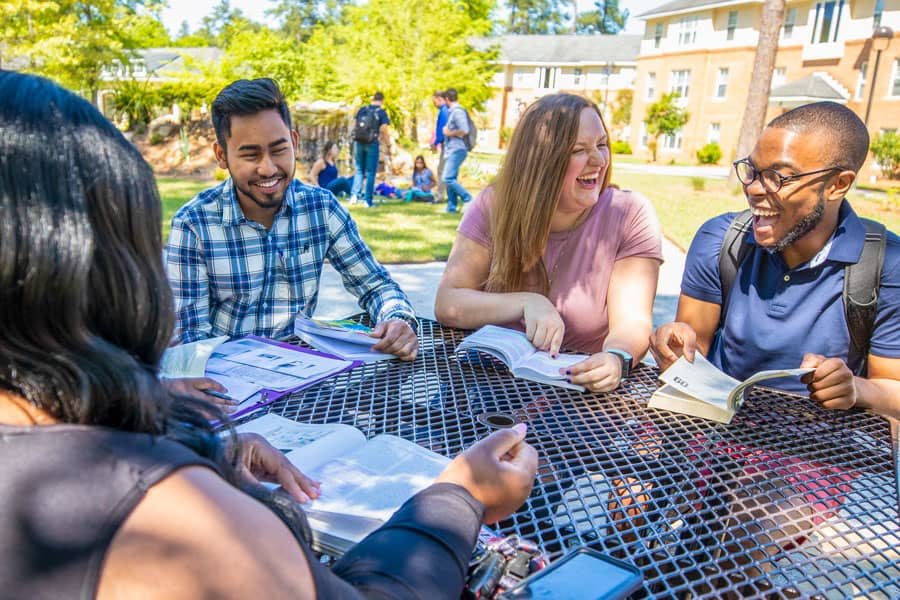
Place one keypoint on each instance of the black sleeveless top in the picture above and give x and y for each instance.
(64, 492)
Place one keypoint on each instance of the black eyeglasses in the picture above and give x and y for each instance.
(770, 179)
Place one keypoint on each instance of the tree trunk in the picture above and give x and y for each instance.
(760, 80)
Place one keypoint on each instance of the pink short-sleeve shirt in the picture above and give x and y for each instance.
(579, 262)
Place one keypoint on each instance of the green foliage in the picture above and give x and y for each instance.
(505, 134)
(622, 111)
(606, 17)
(664, 117)
(141, 101)
(698, 184)
(620, 147)
(709, 154)
(156, 138)
(184, 144)
(536, 16)
(886, 150)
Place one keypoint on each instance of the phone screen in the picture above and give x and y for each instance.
(582, 576)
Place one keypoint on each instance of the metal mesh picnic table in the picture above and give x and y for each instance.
(788, 500)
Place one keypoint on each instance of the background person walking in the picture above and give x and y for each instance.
(437, 142)
(455, 150)
(371, 123)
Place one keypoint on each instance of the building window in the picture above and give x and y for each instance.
(861, 81)
(779, 77)
(672, 142)
(732, 25)
(721, 82)
(687, 32)
(680, 82)
(876, 16)
(895, 80)
(546, 77)
(827, 22)
(644, 137)
(657, 35)
(577, 78)
(650, 87)
(790, 19)
(712, 134)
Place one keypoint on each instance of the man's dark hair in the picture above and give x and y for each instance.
(246, 97)
(451, 94)
(440, 94)
(377, 97)
(849, 138)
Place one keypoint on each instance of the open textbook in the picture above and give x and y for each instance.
(701, 390)
(522, 358)
(255, 371)
(343, 338)
(363, 482)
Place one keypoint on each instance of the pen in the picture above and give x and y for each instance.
(216, 394)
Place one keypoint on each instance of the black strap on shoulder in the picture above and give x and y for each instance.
(732, 254)
(862, 282)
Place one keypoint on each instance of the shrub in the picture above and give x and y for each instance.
(505, 135)
(156, 138)
(709, 154)
(886, 150)
(621, 147)
(698, 183)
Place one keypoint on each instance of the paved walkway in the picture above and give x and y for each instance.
(420, 282)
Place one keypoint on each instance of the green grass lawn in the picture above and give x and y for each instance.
(398, 232)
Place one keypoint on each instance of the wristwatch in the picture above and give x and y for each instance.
(624, 358)
(411, 321)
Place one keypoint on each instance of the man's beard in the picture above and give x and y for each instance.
(803, 226)
(267, 201)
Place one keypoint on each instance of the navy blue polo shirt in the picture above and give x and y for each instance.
(776, 315)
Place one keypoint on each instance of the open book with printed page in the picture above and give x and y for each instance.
(700, 389)
(523, 359)
(363, 482)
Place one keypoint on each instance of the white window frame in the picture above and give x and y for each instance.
(672, 143)
(643, 136)
(687, 30)
(721, 89)
(577, 74)
(658, 34)
(714, 133)
(894, 83)
(550, 75)
(680, 81)
(819, 31)
(790, 21)
(779, 77)
(861, 81)
(650, 86)
(732, 25)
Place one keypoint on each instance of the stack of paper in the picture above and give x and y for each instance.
(342, 337)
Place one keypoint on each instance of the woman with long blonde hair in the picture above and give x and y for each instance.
(553, 249)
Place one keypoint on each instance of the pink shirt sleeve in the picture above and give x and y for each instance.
(641, 233)
(476, 221)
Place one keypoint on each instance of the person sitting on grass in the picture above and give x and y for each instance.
(785, 308)
(553, 249)
(111, 487)
(324, 172)
(422, 182)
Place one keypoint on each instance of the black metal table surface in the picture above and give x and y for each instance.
(788, 500)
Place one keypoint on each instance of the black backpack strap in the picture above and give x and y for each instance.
(732, 254)
(862, 282)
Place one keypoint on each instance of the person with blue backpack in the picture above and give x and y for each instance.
(370, 124)
(813, 286)
(457, 143)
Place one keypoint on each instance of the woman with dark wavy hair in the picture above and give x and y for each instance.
(110, 486)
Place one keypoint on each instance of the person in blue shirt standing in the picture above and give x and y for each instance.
(455, 151)
(437, 142)
(785, 308)
(371, 124)
(245, 256)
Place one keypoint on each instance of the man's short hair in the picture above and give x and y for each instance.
(439, 94)
(451, 94)
(849, 143)
(377, 97)
(246, 97)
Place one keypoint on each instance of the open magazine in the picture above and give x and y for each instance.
(363, 482)
(522, 358)
(700, 389)
(343, 338)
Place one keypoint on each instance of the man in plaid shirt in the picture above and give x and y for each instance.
(244, 256)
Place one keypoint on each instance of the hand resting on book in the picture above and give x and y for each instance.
(543, 326)
(396, 337)
(498, 471)
(671, 341)
(260, 461)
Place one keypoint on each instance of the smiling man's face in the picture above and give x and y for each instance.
(260, 157)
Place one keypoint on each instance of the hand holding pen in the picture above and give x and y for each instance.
(202, 388)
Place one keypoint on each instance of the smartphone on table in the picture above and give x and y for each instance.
(584, 574)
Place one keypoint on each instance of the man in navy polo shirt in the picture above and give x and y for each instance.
(785, 308)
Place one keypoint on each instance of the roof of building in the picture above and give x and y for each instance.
(813, 88)
(156, 59)
(685, 6)
(564, 49)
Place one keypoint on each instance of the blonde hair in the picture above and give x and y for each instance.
(527, 190)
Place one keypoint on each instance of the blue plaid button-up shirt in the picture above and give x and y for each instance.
(232, 276)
